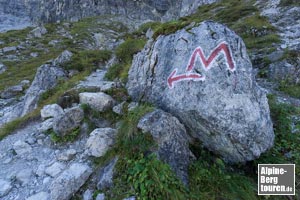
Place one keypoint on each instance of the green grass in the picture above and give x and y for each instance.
(87, 59)
(290, 88)
(70, 137)
(124, 54)
(289, 3)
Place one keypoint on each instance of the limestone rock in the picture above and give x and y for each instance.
(55, 169)
(98, 101)
(69, 121)
(2, 68)
(11, 92)
(207, 81)
(67, 183)
(5, 187)
(38, 32)
(100, 196)
(88, 195)
(172, 140)
(21, 147)
(39, 196)
(52, 110)
(106, 175)
(64, 57)
(46, 77)
(46, 125)
(100, 140)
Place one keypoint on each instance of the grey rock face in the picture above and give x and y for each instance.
(52, 110)
(98, 101)
(204, 77)
(39, 196)
(88, 195)
(100, 196)
(69, 181)
(100, 140)
(106, 175)
(11, 92)
(69, 121)
(172, 140)
(2, 68)
(71, 10)
(21, 147)
(45, 78)
(64, 57)
(38, 32)
(5, 187)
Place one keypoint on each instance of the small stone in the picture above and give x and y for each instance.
(119, 108)
(55, 169)
(46, 125)
(52, 110)
(67, 155)
(100, 196)
(5, 187)
(31, 140)
(106, 175)
(34, 54)
(21, 147)
(24, 176)
(130, 198)
(100, 141)
(46, 180)
(39, 196)
(2, 68)
(132, 106)
(88, 195)
(40, 170)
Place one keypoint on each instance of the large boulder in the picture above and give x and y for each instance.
(98, 101)
(69, 121)
(204, 77)
(172, 140)
(67, 183)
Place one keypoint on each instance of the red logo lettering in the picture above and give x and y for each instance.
(206, 64)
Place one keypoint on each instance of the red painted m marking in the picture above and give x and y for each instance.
(206, 63)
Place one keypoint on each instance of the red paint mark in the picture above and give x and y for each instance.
(206, 63)
(173, 78)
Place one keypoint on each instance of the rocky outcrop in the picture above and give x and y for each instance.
(51, 111)
(71, 10)
(69, 121)
(172, 140)
(205, 78)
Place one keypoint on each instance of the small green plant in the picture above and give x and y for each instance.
(290, 88)
(87, 59)
(70, 137)
(150, 178)
(289, 3)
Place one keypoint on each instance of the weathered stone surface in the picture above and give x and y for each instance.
(24, 176)
(88, 195)
(64, 57)
(46, 125)
(105, 179)
(172, 140)
(100, 196)
(21, 147)
(39, 196)
(52, 110)
(100, 140)
(69, 181)
(55, 169)
(11, 92)
(215, 95)
(2, 68)
(46, 77)
(5, 187)
(38, 32)
(98, 101)
(69, 121)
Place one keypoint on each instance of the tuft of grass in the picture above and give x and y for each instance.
(70, 137)
(289, 3)
(87, 59)
(124, 54)
(290, 88)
